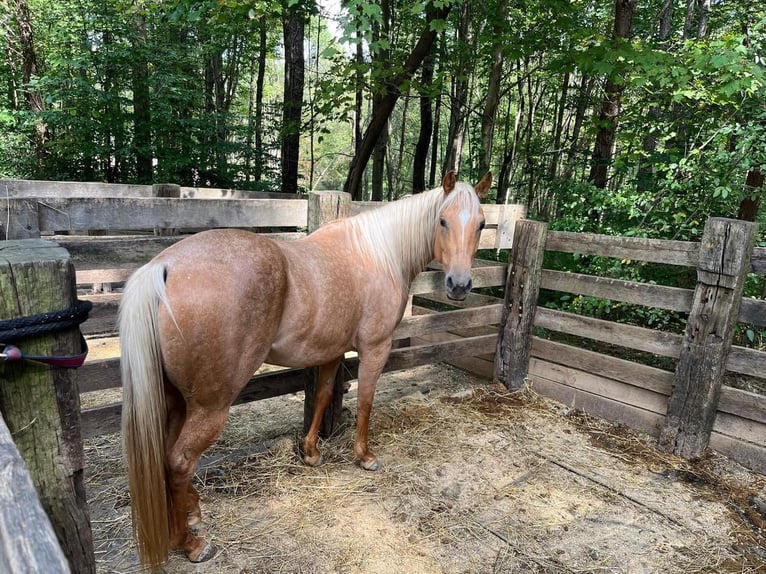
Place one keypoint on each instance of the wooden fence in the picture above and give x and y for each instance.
(687, 409)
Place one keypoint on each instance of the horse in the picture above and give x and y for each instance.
(198, 320)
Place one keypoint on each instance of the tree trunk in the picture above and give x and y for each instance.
(142, 117)
(645, 175)
(294, 25)
(426, 127)
(493, 98)
(262, 49)
(459, 96)
(388, 101)
(748, 207)
(32, 98)
(603, 149)
(381, 58)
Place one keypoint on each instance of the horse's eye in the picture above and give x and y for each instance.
(443, 222)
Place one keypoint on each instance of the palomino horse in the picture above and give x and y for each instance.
(199, 319)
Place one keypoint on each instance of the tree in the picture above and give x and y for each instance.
(391, 92)
(294, 24)
(603, 150)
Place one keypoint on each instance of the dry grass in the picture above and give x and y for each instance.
(473, 480)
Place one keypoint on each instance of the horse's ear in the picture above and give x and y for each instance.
(448, 184)
(482, 188)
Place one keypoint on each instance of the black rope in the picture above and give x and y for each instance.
(12, 330)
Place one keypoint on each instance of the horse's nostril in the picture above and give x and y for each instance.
(450, 282)
(469, 285)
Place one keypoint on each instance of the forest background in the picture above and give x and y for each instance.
(628, 117)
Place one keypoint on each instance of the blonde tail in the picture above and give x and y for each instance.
(143, 411)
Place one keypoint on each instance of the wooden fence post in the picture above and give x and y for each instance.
(724, 261)
(325, 207)
(27, 540)
(40, 404)
(172, 190)
(521, 290)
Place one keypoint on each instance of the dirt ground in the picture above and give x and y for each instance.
(474, 480)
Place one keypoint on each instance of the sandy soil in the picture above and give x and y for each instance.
(474, 480)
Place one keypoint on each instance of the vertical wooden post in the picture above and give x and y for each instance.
(40, 404)
(521, 290)
(325, 207)
(166, 190)
(27, 540)
(724, 262)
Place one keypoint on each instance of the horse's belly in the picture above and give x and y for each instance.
(305, 352)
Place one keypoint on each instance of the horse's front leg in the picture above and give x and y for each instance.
(322, 398)
(371, 363)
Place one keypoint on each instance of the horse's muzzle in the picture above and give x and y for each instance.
(457, 287)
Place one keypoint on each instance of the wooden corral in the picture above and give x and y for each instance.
(110, 231)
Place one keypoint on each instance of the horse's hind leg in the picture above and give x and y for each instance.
(176, 416)
(200, 429)
(322, 398)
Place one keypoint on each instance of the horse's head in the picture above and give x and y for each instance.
(461, 220)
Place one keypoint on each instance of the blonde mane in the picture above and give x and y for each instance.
(399, 236)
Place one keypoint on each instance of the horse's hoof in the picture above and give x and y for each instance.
(371, 465)
(208, 551)
(313, 460)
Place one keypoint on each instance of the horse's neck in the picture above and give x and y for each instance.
(398, 237)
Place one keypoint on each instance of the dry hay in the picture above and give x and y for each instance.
(474, 479)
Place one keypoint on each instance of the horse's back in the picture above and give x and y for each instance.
(226, 292)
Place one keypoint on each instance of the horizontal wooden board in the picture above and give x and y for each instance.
(600, 386)
(41, 189)
(747, 362)
(485, 276)
(629, 336)
(753, 312)
(660, 296)
(746, 453)
(461, 318)
(758, 260)
(635, 248)
(62, 214)
(649, 378)
(602, 407)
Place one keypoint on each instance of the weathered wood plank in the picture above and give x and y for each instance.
(423, 324)
(758, 260)
(746, 453)
(612, 389)
(672, 298)
(62, 214)
(40, 404)
(683, 253)
(602, 407)
(433, 281)
(27, 540)
(521, 292)
(747, 362)
(724, 262)
(733, 401)
(753, 311)
(628, 372)
(41, 189)
(629, 336)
